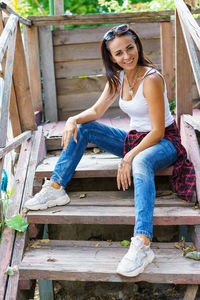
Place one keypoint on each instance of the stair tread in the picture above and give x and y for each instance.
(116, 207)
(91, 165)
(97, 261)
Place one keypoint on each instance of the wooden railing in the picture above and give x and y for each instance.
(187, 66)
(16, 95)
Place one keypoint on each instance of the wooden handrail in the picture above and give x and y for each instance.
(8, 10)
(6, 34)
(188, 20)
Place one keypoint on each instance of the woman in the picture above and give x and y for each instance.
(152, 144)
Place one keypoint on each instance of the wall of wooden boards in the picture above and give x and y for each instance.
(77, 62)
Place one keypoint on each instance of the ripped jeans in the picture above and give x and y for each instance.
(144, 165)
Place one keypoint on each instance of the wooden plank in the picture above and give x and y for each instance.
(15, 143)
(91, 165)
(8, 10)
(89, 214)
(7, 88)
(190, 142)
(6, 245)
(20, 241)
(47, 65)
(192, 55)
(14, 113)
(34, 66)
(95, 19)
(83, 263)
(22, 88)
(183, 75)
(190, 23)
(7, 33)
(59, 10)
(167, 61)
(93, 34)
(191, 292)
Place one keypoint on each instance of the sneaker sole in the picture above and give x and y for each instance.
(52, 203)
(139, 270)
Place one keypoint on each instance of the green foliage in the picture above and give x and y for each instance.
(17, 223)
(125, 243)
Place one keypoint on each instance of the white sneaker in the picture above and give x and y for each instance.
(47, 197)
(136, 259)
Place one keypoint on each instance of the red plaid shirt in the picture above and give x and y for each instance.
(183, 176)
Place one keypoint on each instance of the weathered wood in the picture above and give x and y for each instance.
(7, 88)
(95, 19)
(183, 74)
(15, 143)
(20, 241)
(34, 66)
(22, 88)
(192, 55)
(98, 214)
(59, 10)
(6, 245)
(189, 21)
(47, 65)
(8, 32)
(8, 10)
(77, 263)
(195, 234)
(191, 292)
(91, 165)
(167, 61)
(14, 114)
(190, 142)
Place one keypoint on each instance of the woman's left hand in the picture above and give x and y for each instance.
(124, 174)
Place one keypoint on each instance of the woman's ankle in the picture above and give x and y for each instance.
(55, 185)
(145, 238)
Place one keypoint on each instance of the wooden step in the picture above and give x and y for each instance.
(97, 261)
(115, 207)
(91, 165)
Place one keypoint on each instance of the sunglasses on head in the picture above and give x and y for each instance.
(116, 31)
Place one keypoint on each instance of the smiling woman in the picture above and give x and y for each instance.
(153, 142)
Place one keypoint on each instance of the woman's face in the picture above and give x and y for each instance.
(124, 52)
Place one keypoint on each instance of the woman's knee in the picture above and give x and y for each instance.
(141, 164)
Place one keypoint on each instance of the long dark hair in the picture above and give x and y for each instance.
(112, 69)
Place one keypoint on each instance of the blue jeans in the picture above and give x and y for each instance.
(144, 165)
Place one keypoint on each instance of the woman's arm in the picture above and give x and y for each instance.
(153, 90)
(91, 114)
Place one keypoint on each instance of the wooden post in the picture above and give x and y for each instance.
(22, 88)
(48, 73)
(59, 10)
(183, 74)
(167, 65)
(34, 66)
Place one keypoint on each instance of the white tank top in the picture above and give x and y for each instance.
(137, 108)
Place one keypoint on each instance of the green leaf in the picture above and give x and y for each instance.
(17, 223)
(125, 243)
(193, 255)
(9, 271)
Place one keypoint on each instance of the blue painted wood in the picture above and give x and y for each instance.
(46, 286)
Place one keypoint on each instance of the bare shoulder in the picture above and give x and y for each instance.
(153, 83)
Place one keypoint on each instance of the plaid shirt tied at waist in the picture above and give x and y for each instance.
(183, 176)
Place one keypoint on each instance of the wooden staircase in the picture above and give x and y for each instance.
(97, 260)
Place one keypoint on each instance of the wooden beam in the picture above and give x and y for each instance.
(48, 74)
(167, 61)
(8, 10)
(191, 292)
(34, 66)
(14, 113)
(7, 34)
(20, 242)
(15, 143)
(183, 74)
(59, 10)
(7, 89)
(192, 53)
(22, 88)
(188, 20)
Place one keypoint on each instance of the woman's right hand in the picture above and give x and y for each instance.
(69, 130)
